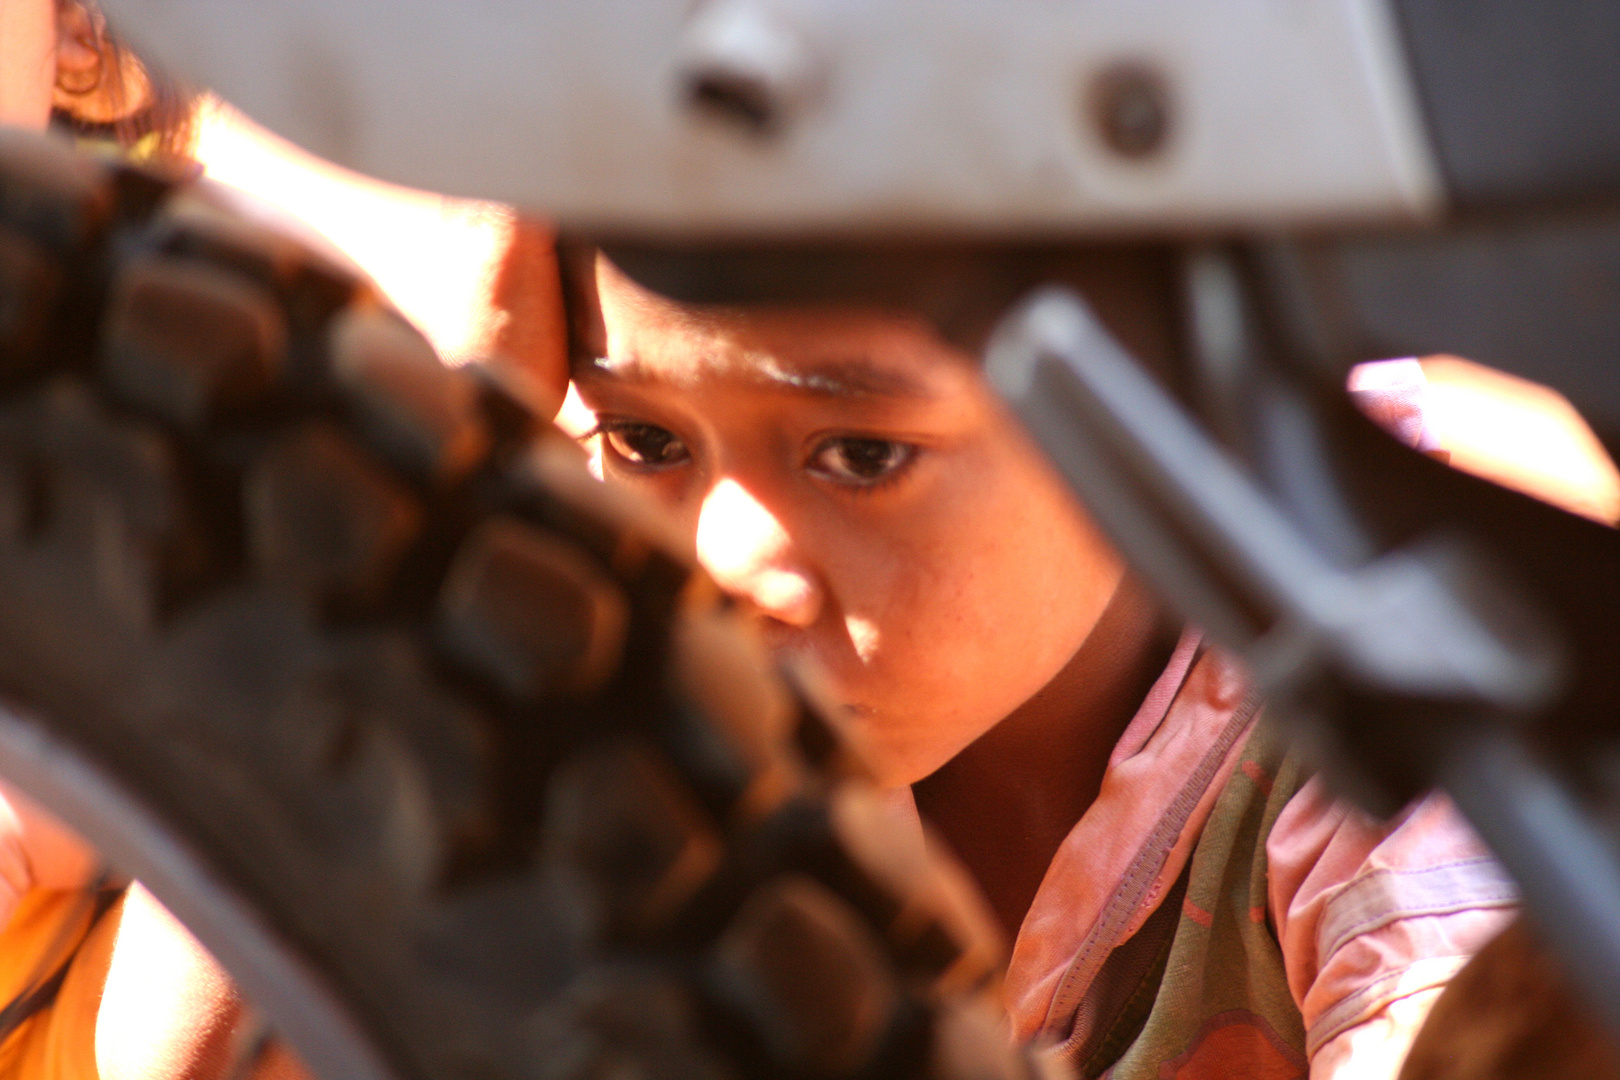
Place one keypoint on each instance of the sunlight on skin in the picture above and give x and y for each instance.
(28, 43)
(435, 257)
(747, 551)
(1375, 1048)
(1521, 435)
(576, 418)
(864, 635)
(168, 1010)
(168, 1007)
(38, 849)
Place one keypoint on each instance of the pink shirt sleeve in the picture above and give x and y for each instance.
(1369, 913)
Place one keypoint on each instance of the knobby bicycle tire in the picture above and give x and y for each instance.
(464, 727)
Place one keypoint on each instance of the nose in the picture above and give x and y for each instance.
(749, 552)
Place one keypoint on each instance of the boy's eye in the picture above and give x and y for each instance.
(860, 461)
(647, 445)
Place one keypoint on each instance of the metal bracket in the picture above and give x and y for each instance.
(1415, 664)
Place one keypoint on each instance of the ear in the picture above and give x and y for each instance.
(96, 81)
(79, 36)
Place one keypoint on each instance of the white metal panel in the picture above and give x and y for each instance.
(963, 115)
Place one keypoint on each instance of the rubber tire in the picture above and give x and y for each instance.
(466, 726)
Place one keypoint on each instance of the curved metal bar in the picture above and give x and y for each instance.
(93, 801)
(1563, 864)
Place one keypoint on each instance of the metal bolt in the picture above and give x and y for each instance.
(745, 66)
(736, 97)
(1129, 103)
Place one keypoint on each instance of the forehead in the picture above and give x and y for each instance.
(841, 352)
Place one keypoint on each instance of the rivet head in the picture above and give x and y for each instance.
(1128, 103)
(747, 66)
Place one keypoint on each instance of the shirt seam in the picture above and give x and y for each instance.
(1497, 891)
(1359, 1007)
(1134, 889)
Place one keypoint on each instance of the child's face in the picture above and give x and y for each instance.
(849, 474)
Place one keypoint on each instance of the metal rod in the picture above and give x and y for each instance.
(329, 1038)
(1565, 868)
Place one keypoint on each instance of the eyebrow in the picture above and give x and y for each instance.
(842, 379)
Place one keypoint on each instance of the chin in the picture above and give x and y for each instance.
(893, 753)
(895, 747)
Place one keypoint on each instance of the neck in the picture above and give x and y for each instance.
(1006, 802)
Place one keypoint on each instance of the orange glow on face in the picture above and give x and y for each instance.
(750, 553)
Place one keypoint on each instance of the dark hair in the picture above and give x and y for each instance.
(128, 105)
(961, 289)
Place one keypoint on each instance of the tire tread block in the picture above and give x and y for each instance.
(346, 615)
(419, 413)
(189, 343)
(325, 519)
(810, 974)
(625, 844)
(531, 613)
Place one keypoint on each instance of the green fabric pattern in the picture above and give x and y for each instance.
(1222, 1008)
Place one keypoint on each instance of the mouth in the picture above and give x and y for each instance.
(787, 642)
(794, 648)
(815, 677)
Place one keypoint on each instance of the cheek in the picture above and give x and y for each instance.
(972, 611)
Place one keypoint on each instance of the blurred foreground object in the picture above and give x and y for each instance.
(787, 116)
(472, 275)
(445, 750)
(477, 278)
(1245, 198)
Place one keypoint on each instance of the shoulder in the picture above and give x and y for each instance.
(1370, 911)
